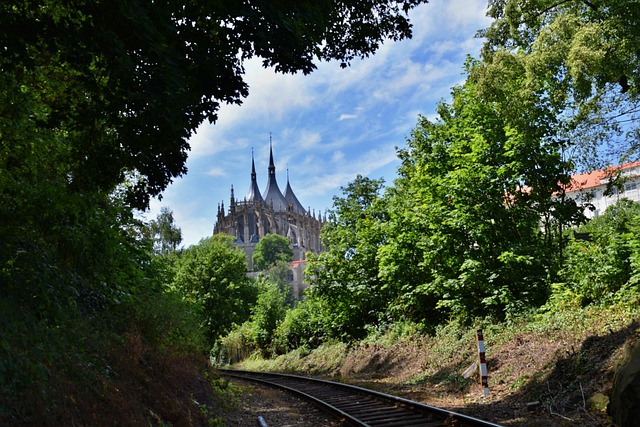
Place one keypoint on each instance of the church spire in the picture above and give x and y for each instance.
(253, 166)
(272, 167)
(291, 197)
(272, 194)
(254, 192)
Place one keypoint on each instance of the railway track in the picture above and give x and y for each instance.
(362, 407)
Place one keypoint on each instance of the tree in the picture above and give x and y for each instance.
(281, 275)
(583, 56)
(258, 333)
(212, 276)
(166, 235)
(307, 324)
(98, 100)
(465, 234)
(345, 277)
(270, 250)
(267, 313)
(122, 101)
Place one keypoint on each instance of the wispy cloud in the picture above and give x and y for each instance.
(346, 117)
(216, 171)
(210, 140)
(337, 156)
(342, 170)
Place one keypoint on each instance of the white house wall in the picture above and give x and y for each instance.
(601, 202)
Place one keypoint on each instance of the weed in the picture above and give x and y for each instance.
(520, 382)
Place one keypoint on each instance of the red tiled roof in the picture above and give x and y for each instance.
(592, 179)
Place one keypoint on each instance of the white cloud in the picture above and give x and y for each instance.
(210, 140)
(465, 13)
(307, 139)
(341, 170)
(194, 228)
(337, 156)
(346, 117)
(271, 95)
(216, 171)
(376, 159)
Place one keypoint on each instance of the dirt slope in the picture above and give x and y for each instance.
(555, 373)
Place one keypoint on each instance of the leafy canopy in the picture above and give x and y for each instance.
(270, 250)
(583, 55)
(164, 232)
(598, 269)
(467, 207)
(122, 85)
(346, 276)
(212, 276)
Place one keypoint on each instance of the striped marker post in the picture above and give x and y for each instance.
(483, 364)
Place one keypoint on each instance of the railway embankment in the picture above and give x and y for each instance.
(553, 368)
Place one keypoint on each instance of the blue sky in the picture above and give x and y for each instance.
(329, 126)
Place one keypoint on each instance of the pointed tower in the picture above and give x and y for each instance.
(292, 199)
(270, 212)
(254, 192)
(272, 194)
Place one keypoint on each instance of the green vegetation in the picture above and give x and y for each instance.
(211, 277)
(560, 357)
(579, 58)
(271, 250)
(345, 278)
(477, 230)
(594, 274)
(604, 270)
(478, 224)
(164, 232)
(104, 320)
(257, 333)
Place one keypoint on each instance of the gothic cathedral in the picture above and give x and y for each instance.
(270, 213)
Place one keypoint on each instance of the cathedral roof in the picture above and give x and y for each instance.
(272, 194)
(291, 198)
(254, 192)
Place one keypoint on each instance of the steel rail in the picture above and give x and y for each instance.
(360, 406)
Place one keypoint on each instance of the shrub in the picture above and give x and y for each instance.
(303, 326)
(596, 270)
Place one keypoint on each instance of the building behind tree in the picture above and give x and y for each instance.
(270, 212)
(602, 188)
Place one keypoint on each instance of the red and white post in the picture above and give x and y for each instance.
(483, 364)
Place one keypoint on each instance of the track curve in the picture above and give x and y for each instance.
(362, 407)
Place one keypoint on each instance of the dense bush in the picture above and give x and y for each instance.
(595, 270)
(257, 333)
(305, 325)
(75, 277)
